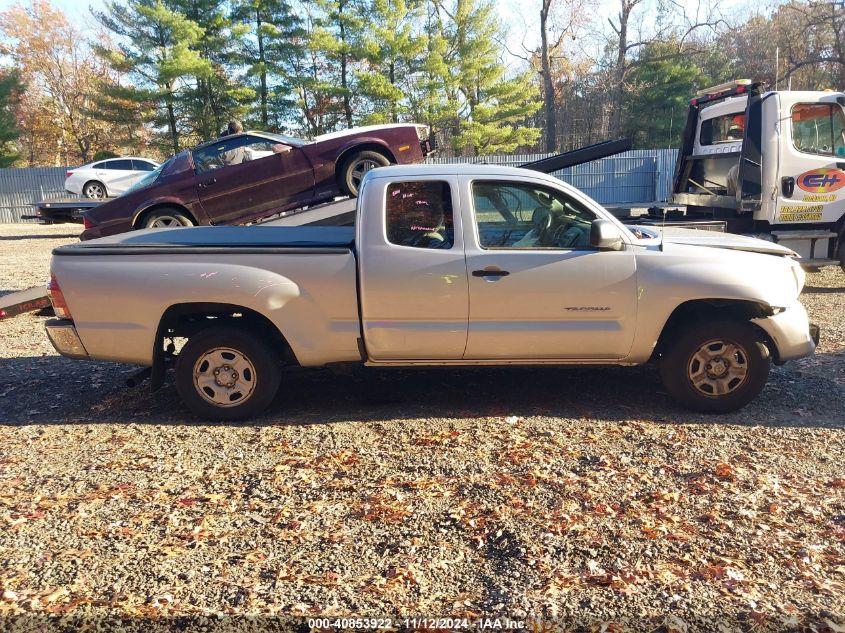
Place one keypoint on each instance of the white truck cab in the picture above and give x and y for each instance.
(770, 164)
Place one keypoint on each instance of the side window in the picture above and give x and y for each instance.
(722, 129)
(142, 165)
(419, 214)
(120, 164)
(107, 164)
(819, 128)
(232, 151)
(513, 215)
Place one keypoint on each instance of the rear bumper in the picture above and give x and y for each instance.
(63, 336)
(791, 332)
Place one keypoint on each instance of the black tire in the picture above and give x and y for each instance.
(95, 190)
(840, 250)
(166, 217)
(353, 168)
(254, 383)
(688, 380)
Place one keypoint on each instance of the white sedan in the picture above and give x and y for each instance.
(107, 178)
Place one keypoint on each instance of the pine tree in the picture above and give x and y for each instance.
(333, 41)
(270, 40)
(391, 53)
(212, 99)
(10, 90)
(158, 49)
(493, 110)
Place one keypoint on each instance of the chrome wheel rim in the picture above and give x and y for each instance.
(224, 377)
(360, 168)
(718, 368)
(165, 221)
(94, 191)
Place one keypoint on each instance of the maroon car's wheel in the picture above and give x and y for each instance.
(166, 217)
(355, 168)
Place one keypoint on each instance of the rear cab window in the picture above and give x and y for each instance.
(727, 128)
(419, 214)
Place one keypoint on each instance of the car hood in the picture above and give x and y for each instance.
(360, 130)
(717, 239)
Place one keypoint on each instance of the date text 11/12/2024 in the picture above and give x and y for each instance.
(421, 624)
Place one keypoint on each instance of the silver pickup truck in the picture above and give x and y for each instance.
(446, 265)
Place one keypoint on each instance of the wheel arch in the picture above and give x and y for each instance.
(367, 146)
(141, 214)
(184, 320)
(713, 309)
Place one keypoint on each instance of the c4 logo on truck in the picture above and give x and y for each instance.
(821, 180)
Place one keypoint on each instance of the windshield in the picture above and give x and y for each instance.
(150, 178)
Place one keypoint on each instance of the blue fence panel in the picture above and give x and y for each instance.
(636, 176)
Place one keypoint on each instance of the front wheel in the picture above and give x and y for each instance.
(716, 367)
(355, 167)
(223, 373)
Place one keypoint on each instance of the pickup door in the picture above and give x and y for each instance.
(511, 277)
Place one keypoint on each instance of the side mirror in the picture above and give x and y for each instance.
(606, 236)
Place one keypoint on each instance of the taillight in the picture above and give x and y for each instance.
(88, 224)
(57, 298)
(69, 174)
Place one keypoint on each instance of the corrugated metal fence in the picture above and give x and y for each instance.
(639, 176)
(21, 187)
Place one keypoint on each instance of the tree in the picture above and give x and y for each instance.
(390, 52)
(270, 36)
(336, 36)
(492, 110)
(214, 95)
(157, 49)
(58, 121)
(10, 92)
(661, 84)
(564, 17)
(811, 38)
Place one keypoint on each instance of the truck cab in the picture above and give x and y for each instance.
(770, 164)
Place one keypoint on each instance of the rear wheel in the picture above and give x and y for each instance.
(355, 168)
(166, 217)
(94, 189)
(223, 373)
(716, 367)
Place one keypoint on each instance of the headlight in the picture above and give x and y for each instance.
(422, 132)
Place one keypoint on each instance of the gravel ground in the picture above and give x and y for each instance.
(583, 498)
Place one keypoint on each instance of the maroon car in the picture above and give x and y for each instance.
(244, 177)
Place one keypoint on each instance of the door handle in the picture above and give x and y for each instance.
(787, 186)
(490, 273)
(208, 183)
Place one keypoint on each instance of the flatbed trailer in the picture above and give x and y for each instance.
(62, 210)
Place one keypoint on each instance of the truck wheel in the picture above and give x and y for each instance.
(716, 367)
(223, 373)
(94, 189)
(353, 169)
(167, 217)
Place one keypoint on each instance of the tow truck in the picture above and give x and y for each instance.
(770, 164)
